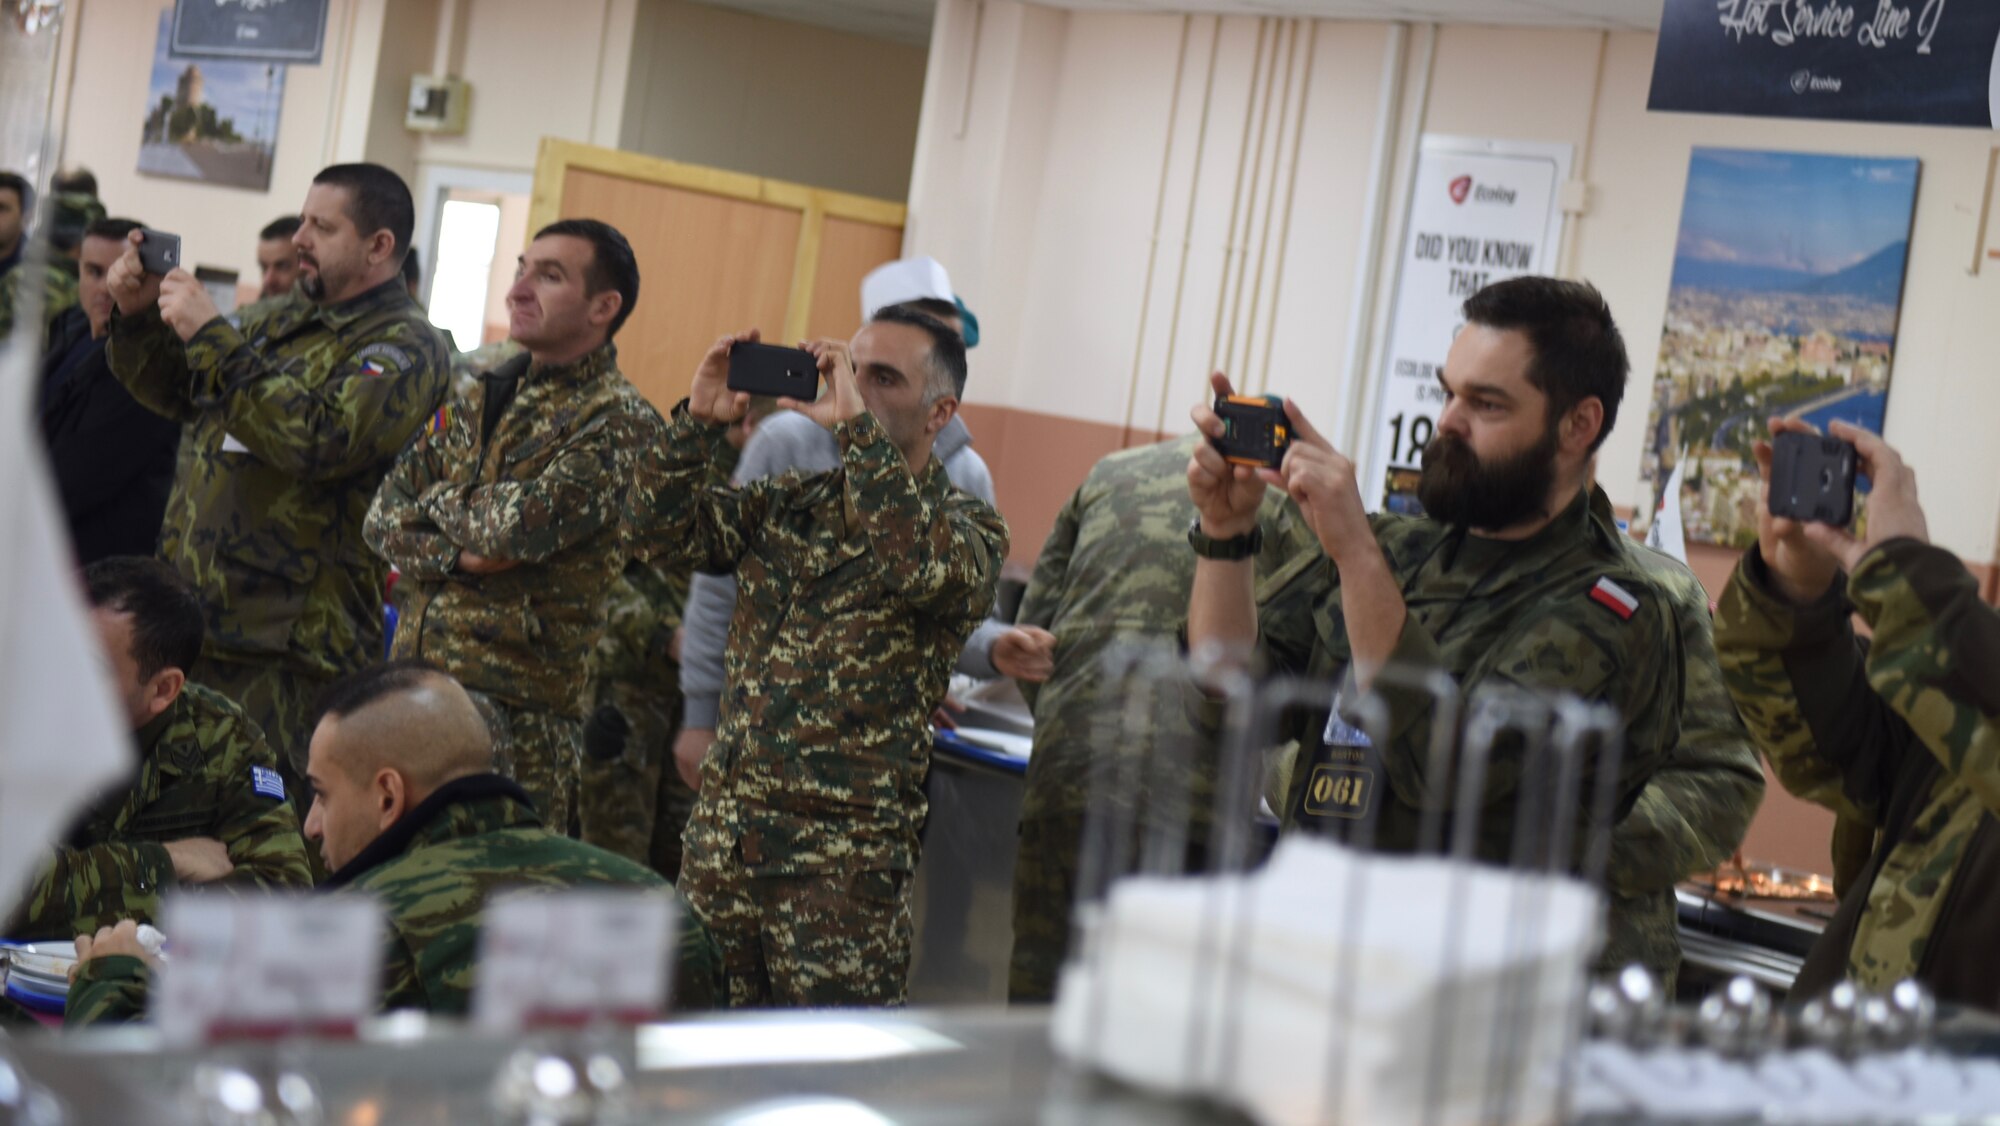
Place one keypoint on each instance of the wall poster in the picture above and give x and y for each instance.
(211, 120)
(1787, 285)
(281, 31)
(1480, 212)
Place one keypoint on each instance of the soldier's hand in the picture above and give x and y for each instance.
(110, 942)
(690, 749)
(185, 304)
(133, 290)
(481, 565)
(1025, 653)
(1326, 485)
(1801, 569)
(1893, 509)
(1225, 495)
(842, 399)
(200, 860)
(709, 397)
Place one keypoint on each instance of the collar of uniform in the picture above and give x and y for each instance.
(583, 369)
(148, 737)
(1569, 524)
(389, 293)
(464, 807)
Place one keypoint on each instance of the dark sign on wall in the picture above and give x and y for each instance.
(287, 31)
(1922, 62)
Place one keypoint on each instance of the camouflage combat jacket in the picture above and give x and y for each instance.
(58, 293)
(292, 422)
(546, 490)
(1696, 808)
(641, 613)
(204, 771)
(1485, 612)
(1899, 734)
(856, 589)
(433, 872)
(1115, 572)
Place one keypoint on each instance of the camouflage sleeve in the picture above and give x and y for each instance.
(946, 556)
(1798, 678)
(107, 991)
(151, 362)
(1695, 810)
(1634, 665)
(1936, 646)
(578, 495)
(1050, 578)
(402, 983)
(361, 415)
(84, 889)
(260, 831)
(679, 513)
(398, 528)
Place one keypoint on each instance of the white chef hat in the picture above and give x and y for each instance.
(913, 279)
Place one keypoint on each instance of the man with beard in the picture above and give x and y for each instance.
(1511, 577)
(293, 415)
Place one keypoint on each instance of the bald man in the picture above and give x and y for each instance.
(406, 806)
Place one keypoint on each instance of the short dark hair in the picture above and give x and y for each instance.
(23, 191)
(82, 182)
(357, 690)
(167, 622)
(284, 227)
(947, 355)
(612, 263)
(113, 229)
(1579, 352)
(377, 199)
(413, 269)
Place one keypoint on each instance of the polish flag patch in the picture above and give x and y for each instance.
(1614, 598)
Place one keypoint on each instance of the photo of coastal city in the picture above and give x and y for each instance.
(1788, 278)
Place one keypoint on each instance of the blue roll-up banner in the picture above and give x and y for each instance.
(1919, 62)
(279, 31)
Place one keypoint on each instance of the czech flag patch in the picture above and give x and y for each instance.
(1614, 598)
(373, 368)
(265, 781)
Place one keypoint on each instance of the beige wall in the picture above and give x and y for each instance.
(772, 98)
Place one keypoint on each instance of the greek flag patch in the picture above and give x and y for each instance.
(267, 782)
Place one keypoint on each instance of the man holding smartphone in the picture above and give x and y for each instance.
(1896, 734)
(504, 517)
(292, 418)
(857, 587)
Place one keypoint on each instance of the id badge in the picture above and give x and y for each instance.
(1342, 776)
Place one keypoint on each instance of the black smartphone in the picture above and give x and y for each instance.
(160, 252)
(1812, 478)
(1255, 433)
(766, 369)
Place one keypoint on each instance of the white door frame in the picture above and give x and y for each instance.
(434, 182)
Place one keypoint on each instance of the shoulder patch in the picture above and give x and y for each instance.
(440, 420)
(265, 781)
(1614, 598)
(381, 359)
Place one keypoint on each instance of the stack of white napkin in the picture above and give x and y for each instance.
(1335, 986)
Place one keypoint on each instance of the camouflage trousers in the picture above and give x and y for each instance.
(834, 939)
(632, 800)
(1044, 888)
(541, 751)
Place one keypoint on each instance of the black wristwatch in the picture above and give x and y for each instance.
(1230, 550)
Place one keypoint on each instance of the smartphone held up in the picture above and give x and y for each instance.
(1812, 478)
(766, 369)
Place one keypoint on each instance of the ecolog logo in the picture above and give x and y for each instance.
(1460, 188)
(1806, 82)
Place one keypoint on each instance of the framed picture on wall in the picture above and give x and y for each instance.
(211, 120)
(1787, 289)
(290, 31)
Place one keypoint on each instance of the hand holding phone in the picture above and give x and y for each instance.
(1255, 430)
(766, 369)
(1812, 478)
(159, 252)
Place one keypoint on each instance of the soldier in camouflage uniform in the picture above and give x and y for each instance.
(294, 413)
(57, 285)
(1511, 578)
(1695, 810)
(1114, 572)
(407, 739)
(206, 803)
(1897, 734)
(505, 519)
(856, 589)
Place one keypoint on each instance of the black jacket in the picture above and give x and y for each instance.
(113, 460)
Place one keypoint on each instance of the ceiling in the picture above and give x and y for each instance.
(909, 21)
